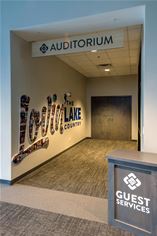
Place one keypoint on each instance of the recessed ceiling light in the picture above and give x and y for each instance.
(105, 66)
(107, 69)
(94, 50)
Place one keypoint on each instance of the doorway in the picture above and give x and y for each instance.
(111, 117)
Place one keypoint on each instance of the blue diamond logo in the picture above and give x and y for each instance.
(44, 48)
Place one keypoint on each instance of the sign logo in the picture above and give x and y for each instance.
(44, 48)
(132, 181)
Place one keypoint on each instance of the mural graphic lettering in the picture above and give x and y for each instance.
(53, 117)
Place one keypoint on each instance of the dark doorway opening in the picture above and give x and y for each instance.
(111, 117)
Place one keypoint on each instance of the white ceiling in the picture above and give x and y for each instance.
(124, 61)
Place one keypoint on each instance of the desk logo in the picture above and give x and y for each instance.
(130, 200)
(132, 181)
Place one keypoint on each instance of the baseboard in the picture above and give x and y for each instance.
(4, 181)
(36, 167)
(133, 140)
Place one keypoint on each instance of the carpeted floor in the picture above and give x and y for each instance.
(82, 169)
(18, 220)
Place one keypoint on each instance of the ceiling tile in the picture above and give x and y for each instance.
(133, 60)
(134, 34)
(134, 45)
(124, 60)
(134, 53)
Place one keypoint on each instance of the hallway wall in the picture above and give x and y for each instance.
(38, 78)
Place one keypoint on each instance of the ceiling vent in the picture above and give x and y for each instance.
(104, 65)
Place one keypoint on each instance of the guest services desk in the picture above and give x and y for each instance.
(132, 199)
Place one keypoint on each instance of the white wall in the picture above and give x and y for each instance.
(114, 86)
(150, 80)
(38, 78)
(19, 14)
(0, 89)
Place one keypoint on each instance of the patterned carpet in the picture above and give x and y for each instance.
(82, 169)
(18, 220)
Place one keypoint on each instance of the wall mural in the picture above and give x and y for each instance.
(55, 117)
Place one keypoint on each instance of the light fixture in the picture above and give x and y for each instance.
(107, 69)
(105, 66)
(94, 50)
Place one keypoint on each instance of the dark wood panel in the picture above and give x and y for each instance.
(111, 117)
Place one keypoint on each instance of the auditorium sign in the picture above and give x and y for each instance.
(81, 43)
(55, 117)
